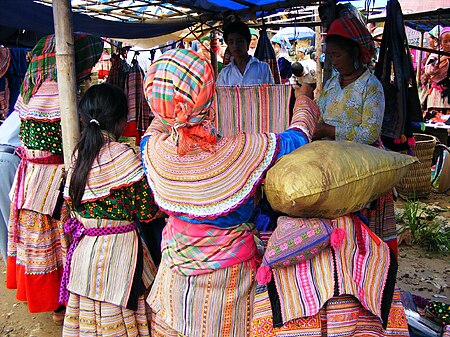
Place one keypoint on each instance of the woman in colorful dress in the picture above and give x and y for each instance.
(108, 266)
(437, 71)
(207, 184)
(348, 289)
(352, 107)
(36, 242)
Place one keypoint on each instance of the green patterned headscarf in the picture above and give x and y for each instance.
(88, 49)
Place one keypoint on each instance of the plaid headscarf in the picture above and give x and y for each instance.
(180, 88)
(88, 49)
(351, 28)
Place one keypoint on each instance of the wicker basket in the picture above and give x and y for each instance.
(417, 182)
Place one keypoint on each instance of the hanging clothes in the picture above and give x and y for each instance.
(118, 72)
(5, 58)
(402, 114)
(103, 66)
(264, 52)
(139, 114)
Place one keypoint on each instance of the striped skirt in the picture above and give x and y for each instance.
(382, 220)
(217, 304)
(89, 318)
(435, 100)
(35, 262)
(341, 316)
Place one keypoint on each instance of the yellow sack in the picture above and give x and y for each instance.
(327, 179)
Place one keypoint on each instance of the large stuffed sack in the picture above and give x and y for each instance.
(327, 179)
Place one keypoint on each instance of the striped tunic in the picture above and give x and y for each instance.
(104, 268)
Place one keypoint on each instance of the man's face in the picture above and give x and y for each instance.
(237, 44)
(253, 42)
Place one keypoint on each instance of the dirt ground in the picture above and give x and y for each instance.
(421, 272)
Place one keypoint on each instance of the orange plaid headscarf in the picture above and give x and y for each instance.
(180, 88)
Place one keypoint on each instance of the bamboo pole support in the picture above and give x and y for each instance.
(419, 59)
(318, 47)
(67, 86)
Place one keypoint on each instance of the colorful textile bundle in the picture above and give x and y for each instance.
(294, 240)
(252, 109)
(363, 266)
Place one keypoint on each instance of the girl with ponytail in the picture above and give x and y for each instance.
(108, 266)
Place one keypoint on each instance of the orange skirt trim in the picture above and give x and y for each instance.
(40, 291)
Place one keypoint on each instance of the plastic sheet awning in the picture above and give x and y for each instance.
(138, 18)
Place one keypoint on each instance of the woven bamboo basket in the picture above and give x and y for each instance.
(417, 182)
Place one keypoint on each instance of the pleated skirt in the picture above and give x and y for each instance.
(216, 304)
(89, 318)
(35, 260)
(341, 316)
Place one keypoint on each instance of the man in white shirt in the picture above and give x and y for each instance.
(9, 140)
(243, 69)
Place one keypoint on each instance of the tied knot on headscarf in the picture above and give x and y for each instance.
(180, 88)
(180, 111)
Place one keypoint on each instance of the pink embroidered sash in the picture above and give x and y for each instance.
(75, 228)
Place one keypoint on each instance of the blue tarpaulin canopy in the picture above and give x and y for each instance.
(136, 19)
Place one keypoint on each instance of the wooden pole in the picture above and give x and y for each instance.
(67, 86)
(213, 47)
(419, 59)
(331, 15)
(318, 46)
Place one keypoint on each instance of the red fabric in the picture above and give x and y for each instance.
(39, 291)
(351, 28)
(130, 129)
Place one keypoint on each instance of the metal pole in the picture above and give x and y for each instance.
(419, 59)
(67, 86)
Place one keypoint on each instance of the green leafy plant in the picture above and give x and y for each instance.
(425, 226)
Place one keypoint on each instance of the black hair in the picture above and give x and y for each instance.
(238, 27)
(350, 46)
(297, 69)
(102, 107)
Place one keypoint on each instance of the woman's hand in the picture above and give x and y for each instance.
(304, 90)
(324, 130)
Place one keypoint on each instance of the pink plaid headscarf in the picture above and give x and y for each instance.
(180, 88)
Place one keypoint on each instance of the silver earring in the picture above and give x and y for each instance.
(356, 64)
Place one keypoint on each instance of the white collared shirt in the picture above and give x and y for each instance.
(255, 73)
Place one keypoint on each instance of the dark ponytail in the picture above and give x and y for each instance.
(103, 107)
